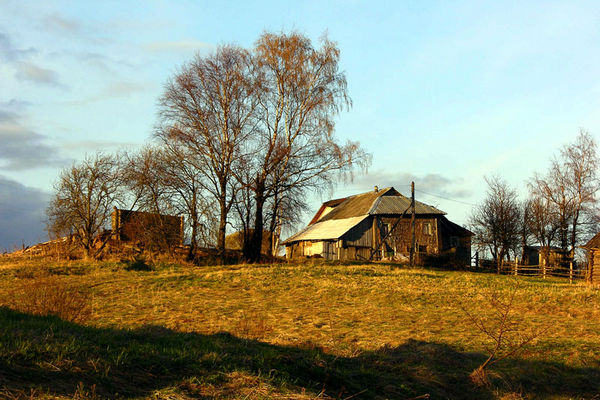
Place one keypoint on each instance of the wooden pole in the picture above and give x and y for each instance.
(516, 266)
(571, 272)
(412, 224)
(544, 269)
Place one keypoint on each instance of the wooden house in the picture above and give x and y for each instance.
(377, 225)
(537, 255)
(593, 259)
(150, 229)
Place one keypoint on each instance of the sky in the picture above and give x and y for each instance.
(444, 93)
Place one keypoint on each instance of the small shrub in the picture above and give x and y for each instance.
(505, 334)
(253, 325)
(137, 264)
(51, 296)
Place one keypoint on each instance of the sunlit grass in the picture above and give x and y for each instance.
(344, 311)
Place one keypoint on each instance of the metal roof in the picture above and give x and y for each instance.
(384, 201)
(350, 211)
(326, 230)
(397, 204)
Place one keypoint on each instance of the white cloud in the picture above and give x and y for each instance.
(10, 53)
(62, 24)
(32, 73)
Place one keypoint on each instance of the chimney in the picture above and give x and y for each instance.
(376, 189)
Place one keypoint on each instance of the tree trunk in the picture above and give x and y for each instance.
(222, 228)
(192, 251)
(272, 227)
(499, 260)
(257, 235)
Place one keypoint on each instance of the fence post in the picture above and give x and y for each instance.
(571, 272)
(516, 266)
(544, 269)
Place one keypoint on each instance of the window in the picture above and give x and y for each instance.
(427, 228)
(453, 241)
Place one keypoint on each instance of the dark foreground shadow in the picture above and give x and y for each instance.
(56, 357)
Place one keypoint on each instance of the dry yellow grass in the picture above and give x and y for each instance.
(345, 310)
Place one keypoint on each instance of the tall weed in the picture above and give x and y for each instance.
(50, 295)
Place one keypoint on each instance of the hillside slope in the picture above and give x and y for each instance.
(130, 330)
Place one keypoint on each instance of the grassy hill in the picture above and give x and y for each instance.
(171, 331)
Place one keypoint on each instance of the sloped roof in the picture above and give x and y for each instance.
(594, 242)
(384, 201)
(330, 203)
(326, 230)
(350, 211)
(398, 204)
(455, 229)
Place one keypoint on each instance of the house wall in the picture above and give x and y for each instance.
(400, 240)
(458, 246)
(360, 241)
(310, 249)
(594, 267)
(149, 228)
(361, 235)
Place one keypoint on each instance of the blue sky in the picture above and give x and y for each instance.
(444, 93)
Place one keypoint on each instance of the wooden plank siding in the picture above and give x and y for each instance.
(594, 267)
(400, 240)
(361, 235)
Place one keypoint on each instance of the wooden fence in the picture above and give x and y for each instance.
(571, 272)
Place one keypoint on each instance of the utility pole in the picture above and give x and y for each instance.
(412, 224)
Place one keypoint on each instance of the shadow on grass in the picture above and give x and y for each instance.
(55, 357)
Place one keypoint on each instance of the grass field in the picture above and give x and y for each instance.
(171, 331)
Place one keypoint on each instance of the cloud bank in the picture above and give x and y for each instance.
(22, 212)
(22, 148)
(435, 183)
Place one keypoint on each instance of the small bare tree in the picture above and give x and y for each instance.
(543, 223)
(504, 331)
(83, 200)
(496, 222)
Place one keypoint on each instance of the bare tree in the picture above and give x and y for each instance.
(284, 213)
(147, 186)
(570, 188)
(207, 110)
(543, 223)
(496, 222)
(525, 226)
(302, 89)
(581, 164)
(83, 200)
(182, 180)
(505, 333)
